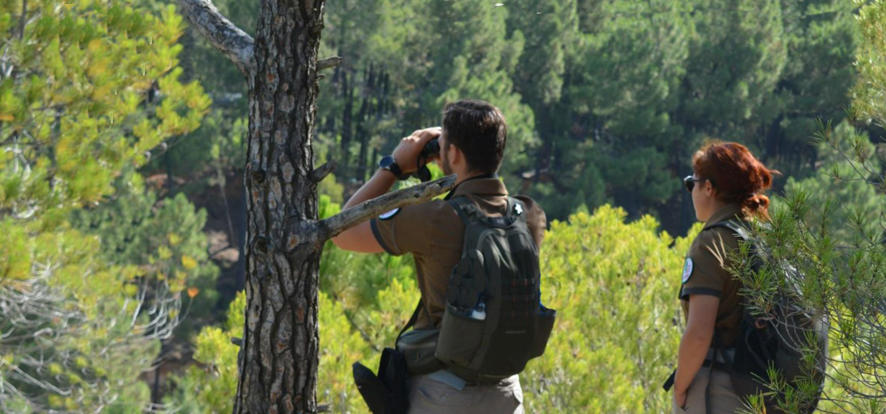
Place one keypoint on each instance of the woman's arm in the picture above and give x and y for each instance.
(696, 342)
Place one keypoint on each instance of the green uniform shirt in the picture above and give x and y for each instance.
(705, 272)
(434, 233)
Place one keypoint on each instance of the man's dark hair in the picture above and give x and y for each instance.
(478, 129)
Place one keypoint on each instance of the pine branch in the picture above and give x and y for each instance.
(224, 35)
(328, 63)
(340, 222)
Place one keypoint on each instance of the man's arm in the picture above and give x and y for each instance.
(360, 238)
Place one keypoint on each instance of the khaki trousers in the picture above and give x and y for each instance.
(427, 395)
(720, 396)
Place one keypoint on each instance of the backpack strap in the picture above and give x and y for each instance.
(736, 226)
(411, 322)
(464, 207)
(468, 210)
(741, 230)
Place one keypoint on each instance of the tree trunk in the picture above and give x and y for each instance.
(346, 125)
(279, 351)
(278, 359)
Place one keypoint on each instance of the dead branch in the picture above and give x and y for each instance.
(224, 35)
(338, 223)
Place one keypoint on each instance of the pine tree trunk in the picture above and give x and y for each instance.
(278, 356)
(279, 351)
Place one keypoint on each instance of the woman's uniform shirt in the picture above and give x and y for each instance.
(706, 272)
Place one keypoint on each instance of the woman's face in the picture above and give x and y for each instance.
(703, 198)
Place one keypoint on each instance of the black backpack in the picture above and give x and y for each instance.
(777, 337)
(494, 322)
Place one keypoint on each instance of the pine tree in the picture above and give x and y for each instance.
(87, 89)
(868, 94)
(613, 125)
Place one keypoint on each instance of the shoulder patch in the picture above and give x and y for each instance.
(687, 270)
(389, 215)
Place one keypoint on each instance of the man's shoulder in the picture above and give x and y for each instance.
(535, 217)
(432, 212)
(432, 206)
(533, 209)
(529, 203)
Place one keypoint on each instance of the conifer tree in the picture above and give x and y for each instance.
(831, 228)
(87, 89)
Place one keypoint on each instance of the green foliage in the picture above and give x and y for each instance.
(164, 239)
(73, 328)
(76, 105)
(869, 93)
(605, 99)
(848, 207)
(403, 62)
(210, 385)
(737, 55)
(618, 327)
(88, 89)
(810, 90)
(831, 228)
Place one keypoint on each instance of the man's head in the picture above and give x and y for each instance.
(478, 131)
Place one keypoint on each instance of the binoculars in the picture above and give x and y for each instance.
(430, 150)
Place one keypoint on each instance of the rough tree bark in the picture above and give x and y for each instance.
(278, 355)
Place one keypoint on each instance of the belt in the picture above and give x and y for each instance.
(724, 356)
(447, 377)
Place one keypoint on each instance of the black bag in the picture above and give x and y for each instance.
(388, 392)
(493, 322)
(776, 339)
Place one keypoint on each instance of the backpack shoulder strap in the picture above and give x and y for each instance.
(465, 208)
(468, 211)
(736, 226)
(411, 322)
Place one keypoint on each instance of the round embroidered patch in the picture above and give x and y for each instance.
(389, 214)
(687, 270)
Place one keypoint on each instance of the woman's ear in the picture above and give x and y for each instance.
(709, 188)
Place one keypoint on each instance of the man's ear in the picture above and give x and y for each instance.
(455, 155)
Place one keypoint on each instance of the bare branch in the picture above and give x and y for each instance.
(338, 223)
(322, 171)
(328, 63)
(224, 35)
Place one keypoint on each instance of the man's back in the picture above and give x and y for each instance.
(434, 234)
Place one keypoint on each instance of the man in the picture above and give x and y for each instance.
(472, 142)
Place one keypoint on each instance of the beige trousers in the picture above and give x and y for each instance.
(721, 397)
(427, 395)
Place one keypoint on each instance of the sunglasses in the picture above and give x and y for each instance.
(690, 181)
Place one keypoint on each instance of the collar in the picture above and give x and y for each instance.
(724, 213)
(486, 184)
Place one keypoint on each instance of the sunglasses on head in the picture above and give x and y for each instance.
(690, 181)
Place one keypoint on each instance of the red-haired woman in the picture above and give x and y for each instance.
(727, 183)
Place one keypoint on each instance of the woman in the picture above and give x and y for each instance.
(727, 183)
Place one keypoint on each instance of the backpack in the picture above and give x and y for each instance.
(776, 338)
(493, 322)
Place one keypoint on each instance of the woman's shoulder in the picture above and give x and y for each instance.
(716, 240)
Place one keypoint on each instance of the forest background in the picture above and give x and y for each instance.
(122, 201)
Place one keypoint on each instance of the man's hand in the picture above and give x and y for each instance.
(680, 398)
(407, 151)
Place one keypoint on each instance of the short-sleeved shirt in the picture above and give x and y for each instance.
(434, 234)
(706, 272)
